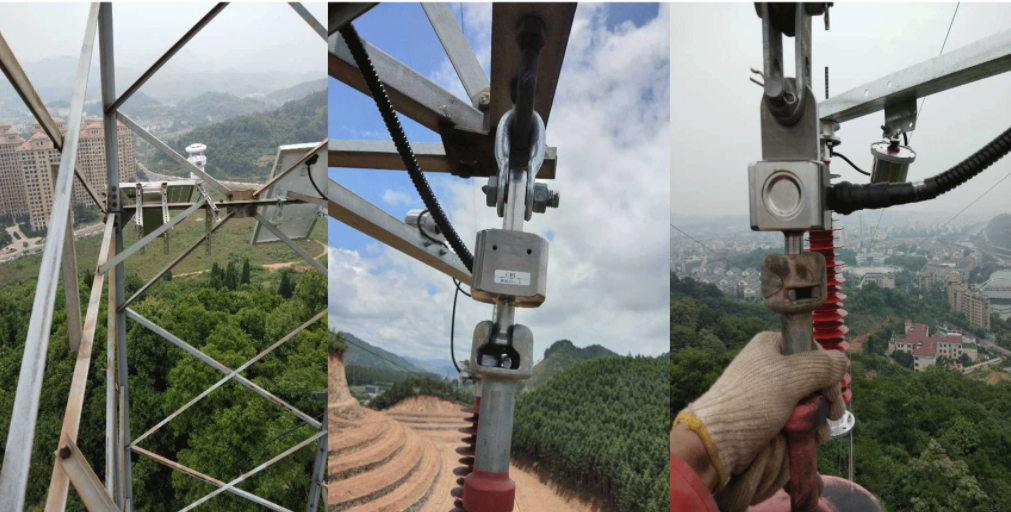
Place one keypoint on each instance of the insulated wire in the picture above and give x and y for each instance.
(378, 93)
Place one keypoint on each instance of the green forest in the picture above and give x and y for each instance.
(599, 427)
(244, 147)
(934, 441)
(229, 432)
(421, 386)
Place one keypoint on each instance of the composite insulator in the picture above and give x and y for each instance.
(829, 325)
(467, 454)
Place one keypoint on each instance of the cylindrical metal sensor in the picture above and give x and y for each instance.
(891, 162)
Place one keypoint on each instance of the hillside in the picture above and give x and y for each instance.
(582, 425)
(244, 147)
(665, 357)
(361, 353)
(560, 355)
(296, 92)
(999, 230)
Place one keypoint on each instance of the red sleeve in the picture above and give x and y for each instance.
(687, 493)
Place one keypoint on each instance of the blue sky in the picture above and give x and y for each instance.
(353, 115)
(609, 255)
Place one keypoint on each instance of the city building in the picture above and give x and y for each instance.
(870, 258)
(924, 279)
(998, 290)
(27, 179)
(882, 279)
(927, 350)
(12, 198)
(974, 305)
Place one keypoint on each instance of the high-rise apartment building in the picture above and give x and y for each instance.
(31, 173)
(974, 305)
(12, 197)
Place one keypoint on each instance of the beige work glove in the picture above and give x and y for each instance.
(742, 414)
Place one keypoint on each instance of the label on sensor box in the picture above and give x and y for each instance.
(512, 277)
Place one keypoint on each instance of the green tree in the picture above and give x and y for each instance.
(245, 271)
(285, 289)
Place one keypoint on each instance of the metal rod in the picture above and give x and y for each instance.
(71, 463)
(174, 262)
(116, 285)
(261, 467)
(290, 168)
(151, 326)
(21, 436)
(458, 50)
(342, 13)
(410, 92)
(56, 498)
(112, 469)
(122, 255)
(71, 288)
(284, 238)
(171, 153)
(349, 208)
(114, 107)
(207, 479)
(310, 19)
(318, 470)
(383, 155)
(229, 377)
(985, 58)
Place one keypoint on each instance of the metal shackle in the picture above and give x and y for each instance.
(502, 145)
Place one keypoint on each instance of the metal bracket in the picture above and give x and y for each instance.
(210, 202)
(900, 117)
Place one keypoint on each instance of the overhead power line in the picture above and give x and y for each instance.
(707, 247)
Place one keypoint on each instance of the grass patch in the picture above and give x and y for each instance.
(231, 240)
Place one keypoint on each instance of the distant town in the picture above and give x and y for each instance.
(962, 259)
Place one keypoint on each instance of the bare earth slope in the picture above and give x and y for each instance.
(402, 459)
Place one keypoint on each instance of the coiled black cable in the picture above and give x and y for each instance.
(378, 93)
(846, 198)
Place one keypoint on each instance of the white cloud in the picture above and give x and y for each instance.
(609, 257)
(398, 197)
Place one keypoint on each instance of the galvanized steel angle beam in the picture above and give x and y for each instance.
(987, 57)
(21, 436)
(349, 208)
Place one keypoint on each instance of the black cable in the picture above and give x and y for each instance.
(378, 93)
(308, 166)
(452, 328)
(422, 229)
(833, 152)
(846, 198)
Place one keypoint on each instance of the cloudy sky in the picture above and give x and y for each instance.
(243, 37)
(714, 45)
(609, 251)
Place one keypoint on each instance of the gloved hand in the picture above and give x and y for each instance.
(742, 414)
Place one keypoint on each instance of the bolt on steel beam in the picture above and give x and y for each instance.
(71, 462)
(468, 69)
